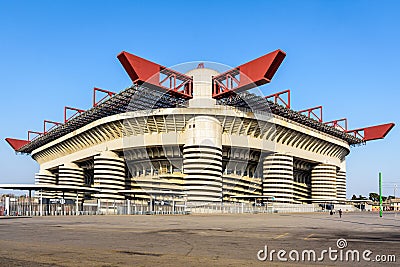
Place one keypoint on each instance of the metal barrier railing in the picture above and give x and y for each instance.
(32, 207)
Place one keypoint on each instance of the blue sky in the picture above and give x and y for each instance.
(343, 55)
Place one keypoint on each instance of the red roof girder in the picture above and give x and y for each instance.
(141, 71)
(278, 98)
(373, 132)
(249, 75)
(16, 143)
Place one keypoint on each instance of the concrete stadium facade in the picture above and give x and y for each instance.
(203, 149)
(210, 152)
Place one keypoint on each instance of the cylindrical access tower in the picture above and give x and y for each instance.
(341, 185)
(45, 177)
(323, 183)
(278, 177)
(109, 175)
(71, 174)
(202, 159)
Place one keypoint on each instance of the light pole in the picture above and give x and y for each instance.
(380, 195)
(394, 195)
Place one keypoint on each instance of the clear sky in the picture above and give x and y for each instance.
(343, 55)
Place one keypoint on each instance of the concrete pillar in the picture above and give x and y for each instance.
(323, 183)
(202, 159)
(202, 87)
(7, 206)
(341, 185)
(278, 177)
(45, 177)
(77, 204)
(70, 174)
(128, 202)
(109, 175)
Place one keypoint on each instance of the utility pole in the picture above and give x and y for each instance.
(394, 195)
(380, 195)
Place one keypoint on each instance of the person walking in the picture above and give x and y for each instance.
(340, 213)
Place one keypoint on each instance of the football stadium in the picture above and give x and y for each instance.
(180, 140)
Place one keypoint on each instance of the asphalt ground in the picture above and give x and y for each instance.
(200, 240)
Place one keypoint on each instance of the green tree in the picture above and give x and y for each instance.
(360, 197)
(374, 197)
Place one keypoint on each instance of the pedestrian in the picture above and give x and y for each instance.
(340, 213)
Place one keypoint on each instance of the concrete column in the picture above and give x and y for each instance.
(278, 177)
(109, 175)
(128, 202)
(45, 177)
(202, 159)
(77, 204)
(7, 206)
(71, 174)
(323, 183)
(341, 185)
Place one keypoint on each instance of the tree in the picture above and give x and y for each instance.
(374, 197)
(360, 197)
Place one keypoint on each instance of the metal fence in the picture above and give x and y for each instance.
(252, 208)
(32, 207)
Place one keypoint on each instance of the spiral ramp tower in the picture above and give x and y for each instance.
(70, 174)
(278, 177)
(109, 176)
(323, 183)
(202, 159)
(45, 177)
(341, 185)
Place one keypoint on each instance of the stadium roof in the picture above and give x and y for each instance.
(149, 91)
(142, 98)
(255, 103)
(131, 99)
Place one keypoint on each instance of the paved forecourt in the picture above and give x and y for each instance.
(192, 240)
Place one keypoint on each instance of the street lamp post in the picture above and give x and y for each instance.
(394, 195)
(41, 202)
(380, 195)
